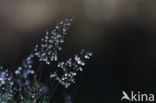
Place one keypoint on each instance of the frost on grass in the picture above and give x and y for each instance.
(26, 81)
(23, 72)
(17, 87)
(51, 43)
(22, 85)
(70, 68)
(6, 83)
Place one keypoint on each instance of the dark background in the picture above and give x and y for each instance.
(120, 33)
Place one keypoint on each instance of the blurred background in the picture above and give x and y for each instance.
(120, 33)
